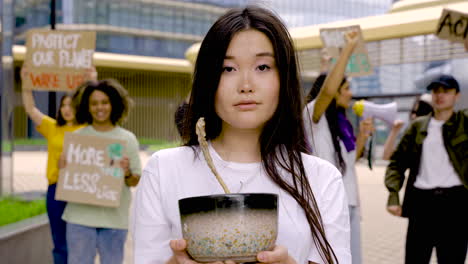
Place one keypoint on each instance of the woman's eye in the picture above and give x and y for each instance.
(263, 67)
(228, 69)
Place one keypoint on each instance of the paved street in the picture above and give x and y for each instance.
(382, 234)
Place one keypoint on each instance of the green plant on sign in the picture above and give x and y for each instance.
(356, 63)
(115, 151)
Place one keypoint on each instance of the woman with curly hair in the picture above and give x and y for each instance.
(103, 106)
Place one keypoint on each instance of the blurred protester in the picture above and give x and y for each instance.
(422, 106)
(435, 150)
(53, 131)
(103, 106)
(331, 134)
(180, 113)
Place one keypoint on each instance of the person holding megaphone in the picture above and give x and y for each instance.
(330, 134)
(385, 112)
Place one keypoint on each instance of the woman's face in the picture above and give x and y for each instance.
(66, 110)
(248, 91)
(100, 107)
(344, 96)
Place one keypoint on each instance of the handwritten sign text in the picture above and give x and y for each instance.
(58, 60)
(92, 174)
(453, 26)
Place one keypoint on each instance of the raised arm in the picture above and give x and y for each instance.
(28, 101)
(389, 145)
(30, 107)
(333, 81)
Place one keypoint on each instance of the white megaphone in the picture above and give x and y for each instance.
(385, 112)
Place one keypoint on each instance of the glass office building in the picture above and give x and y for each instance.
(166, 28)
(306, 12)
(139, 27)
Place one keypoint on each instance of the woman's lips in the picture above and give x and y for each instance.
(246, 105)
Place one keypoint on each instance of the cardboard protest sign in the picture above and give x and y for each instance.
(93, 174)
(334, 40)
(453, 26)
(57, 60)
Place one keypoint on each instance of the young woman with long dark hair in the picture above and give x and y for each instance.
(247, 88)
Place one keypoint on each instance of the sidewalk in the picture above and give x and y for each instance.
(383, 235)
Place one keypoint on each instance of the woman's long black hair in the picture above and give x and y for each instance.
(420, 108)
(332, 118)
(282, 139)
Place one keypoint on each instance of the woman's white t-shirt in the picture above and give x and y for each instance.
(178, 173)
(319, 137)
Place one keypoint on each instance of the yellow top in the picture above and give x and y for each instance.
(54, 135)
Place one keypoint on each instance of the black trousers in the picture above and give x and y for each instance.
(439, 219)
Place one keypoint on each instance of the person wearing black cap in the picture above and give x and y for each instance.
(435, 150)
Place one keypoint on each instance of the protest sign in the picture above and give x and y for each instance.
(334, 40)
(453, 26)
(57, 60)
(93, 174)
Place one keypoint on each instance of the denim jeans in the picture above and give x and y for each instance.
(83, 241)
(57, 225)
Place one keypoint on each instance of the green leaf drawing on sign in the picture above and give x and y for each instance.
(356, 63)
(364, 62)
(115, 151)
(112, 171)
(352, 65)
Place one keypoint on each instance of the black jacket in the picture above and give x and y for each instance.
(408, 155)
